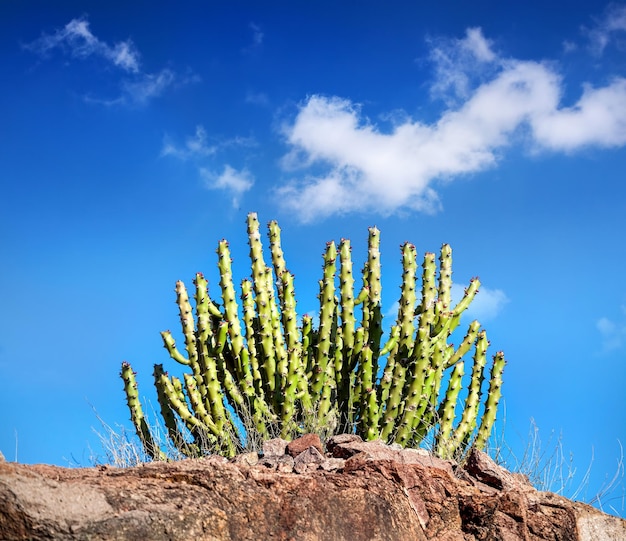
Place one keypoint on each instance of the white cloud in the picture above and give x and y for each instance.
(233, 181)
(611, 23)
(257, 98)
(125, 56)
(613, 334)
(487, 303)
(195, 146)
(599, 118)
(149, 85)
(458, 63)
(198, 146)
(138, 87)
(367, 169)
(392, 311)
(257, 39)
(199, 150)
(257, 34)
(477, 45)
(76, 37)
(569, 46)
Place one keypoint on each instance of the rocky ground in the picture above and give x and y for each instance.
(299, 491)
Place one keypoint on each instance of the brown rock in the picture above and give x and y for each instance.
(201, 500)
(483, 468)
(375, 449)
(378, 450)
(270, 462)
(213, 499)
(333, 464)
(308, 460)
(333, 441)
(285, 464)
(297, 446)
(274, 447)
(251, 459)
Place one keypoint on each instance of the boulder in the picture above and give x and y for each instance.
(362, 491)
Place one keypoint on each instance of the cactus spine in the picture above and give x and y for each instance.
(255, 361)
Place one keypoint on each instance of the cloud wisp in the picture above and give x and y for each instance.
(451, 83)
(198, 149)
(606, 28)
(613, 333)
(234, 181)
(491, 103)
(257, 35)
(77, 40)
(195, 146)
(487, 303)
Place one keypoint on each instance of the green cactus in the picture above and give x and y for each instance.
(136, 413)
(251, 359)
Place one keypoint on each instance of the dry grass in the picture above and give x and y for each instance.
(549, 468)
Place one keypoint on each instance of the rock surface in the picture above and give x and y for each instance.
(355, 491)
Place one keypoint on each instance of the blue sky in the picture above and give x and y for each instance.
(134, 138)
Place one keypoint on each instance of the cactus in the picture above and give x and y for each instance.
(251, 360)
(136, 413)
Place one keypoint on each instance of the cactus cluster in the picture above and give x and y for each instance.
(254, 358)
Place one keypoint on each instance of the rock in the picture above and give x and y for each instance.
(197, 499)
(372, 496)
(274, 447)
(378, 450)
(341, 438)
(251, 459)
(333, 464)
(285, 464)
(375, 449)
(482, 467)
(308, 461)
(270, 462)
(301, 444)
